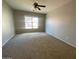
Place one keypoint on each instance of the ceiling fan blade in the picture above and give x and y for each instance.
(39, 8)
(41, 5)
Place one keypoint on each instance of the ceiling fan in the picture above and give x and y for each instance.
(37, 6)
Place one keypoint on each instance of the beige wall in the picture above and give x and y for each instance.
(7, 23)
(61, 23)
(20, 23)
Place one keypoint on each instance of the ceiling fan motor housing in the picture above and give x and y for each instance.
(35, 5)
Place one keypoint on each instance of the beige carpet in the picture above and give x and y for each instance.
(37, 46)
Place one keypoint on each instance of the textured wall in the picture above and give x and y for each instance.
(20, 24)
(7, 23)
(61, 23)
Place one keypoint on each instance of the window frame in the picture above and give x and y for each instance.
(32, 22)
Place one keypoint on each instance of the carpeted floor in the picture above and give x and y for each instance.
(37, 46)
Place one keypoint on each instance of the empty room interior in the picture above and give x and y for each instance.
(39, 29)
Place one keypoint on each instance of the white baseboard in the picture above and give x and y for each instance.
(63, 41)
(68, 43)
(7, 41)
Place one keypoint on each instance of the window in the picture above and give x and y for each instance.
(31, 22)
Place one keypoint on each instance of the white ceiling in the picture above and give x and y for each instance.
(27, 5)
